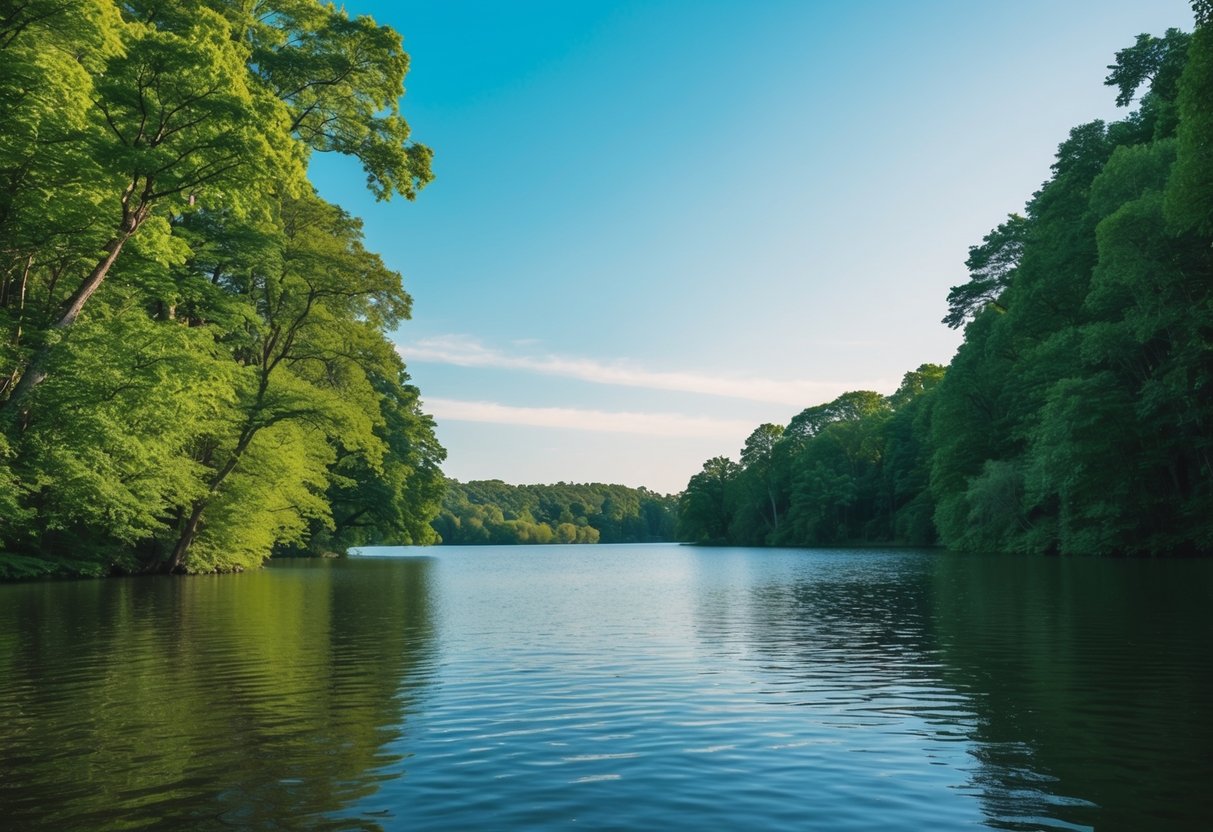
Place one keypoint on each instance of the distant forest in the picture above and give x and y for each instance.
(490, 511)
(1077, 416)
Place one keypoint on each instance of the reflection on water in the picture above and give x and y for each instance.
(249, 701)
(1093, 685)
(615, 687)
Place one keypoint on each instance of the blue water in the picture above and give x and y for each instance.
(615, 687)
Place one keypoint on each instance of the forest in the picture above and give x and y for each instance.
(194, 364)
(490, 511)
(196, 373)
(1077, 415)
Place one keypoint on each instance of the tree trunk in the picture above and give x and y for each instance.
(94, 280)
(35, 371)
(188, 532)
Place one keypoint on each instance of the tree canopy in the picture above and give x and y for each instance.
(195, 371)
(1077, 415)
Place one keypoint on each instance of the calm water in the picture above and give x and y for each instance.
(615, 687)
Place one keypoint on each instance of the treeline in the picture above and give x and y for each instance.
(1077, 416)
(849, 471)
(490, 511)
(194, 371)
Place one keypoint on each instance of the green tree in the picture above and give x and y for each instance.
(758, 473)
(195, 371)
(177, 119)
(1076, 421)
(1189, 192)
(391, 504)
(321, 302)
(991, 266)
(906, 460)
(705, 509)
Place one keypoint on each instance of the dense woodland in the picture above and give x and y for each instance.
(194, 372)
(490, 511)
(1077, 416)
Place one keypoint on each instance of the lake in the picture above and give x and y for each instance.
(615, 687)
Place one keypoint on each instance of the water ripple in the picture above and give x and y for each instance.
(613, 688)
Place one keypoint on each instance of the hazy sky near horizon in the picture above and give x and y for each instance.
(655, 225)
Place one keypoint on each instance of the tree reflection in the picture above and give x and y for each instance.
(862, 617)
(1065, 693)
(258, 701)
(1091, 680)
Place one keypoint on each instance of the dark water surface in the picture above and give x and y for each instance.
(615, 687)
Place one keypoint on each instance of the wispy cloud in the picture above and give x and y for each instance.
(644, 424)
(463, 351)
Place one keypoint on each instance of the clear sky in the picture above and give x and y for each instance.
(655, 225)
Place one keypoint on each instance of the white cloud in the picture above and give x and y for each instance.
(463, 351)
(645, 424)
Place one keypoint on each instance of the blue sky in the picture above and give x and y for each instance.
(658, 224)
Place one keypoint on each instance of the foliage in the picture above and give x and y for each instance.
(1077, 416)
(849, 470)
(196, 372)
(991, 266)
(490, 511)
(1092, 388)
(705, 508)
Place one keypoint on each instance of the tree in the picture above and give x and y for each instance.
(50, 53)
(1156, 64)
(391, 504)
(758, 465)
(850, 406)
(341, 79)
(1077, 414)
(906, 459)
(195, 372)
(705, 508)
(991, 266)
(177, 119)
(1189, 192)
(320, 303)
(1075, 422)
